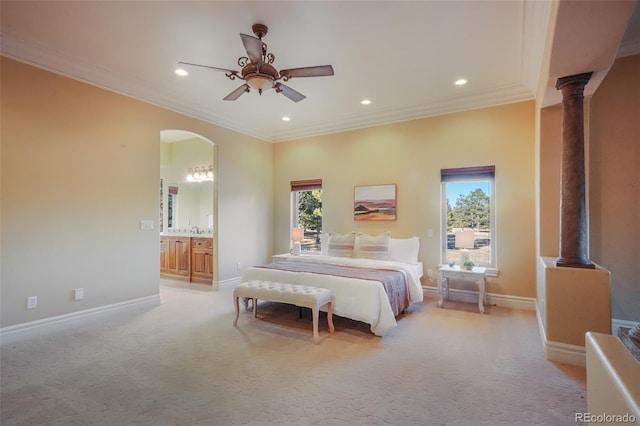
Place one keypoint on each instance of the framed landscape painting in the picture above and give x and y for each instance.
(375, 202)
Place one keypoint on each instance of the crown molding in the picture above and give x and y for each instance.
(479, 99)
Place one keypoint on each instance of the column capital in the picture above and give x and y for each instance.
(578, 80)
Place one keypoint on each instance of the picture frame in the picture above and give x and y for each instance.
(374, 202)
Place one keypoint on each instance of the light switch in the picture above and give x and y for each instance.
(146, 224)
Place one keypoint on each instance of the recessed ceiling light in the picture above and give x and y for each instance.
(286, 118)
(181, 72)
(461, 82)
(365, 101)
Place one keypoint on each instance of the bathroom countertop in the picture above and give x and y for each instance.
(185, 234)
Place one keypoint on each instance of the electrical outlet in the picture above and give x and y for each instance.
(238, 266)
(429, 273)
(78, 293)
(32, 302)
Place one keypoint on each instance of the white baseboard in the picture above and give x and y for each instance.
(43, 326)
(617, 323)
(565, 353)
(228, 283)
(515, 302)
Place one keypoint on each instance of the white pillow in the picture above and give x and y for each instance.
(341, 245)
(370, 247)
(404, 249)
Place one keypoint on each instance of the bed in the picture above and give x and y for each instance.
(373, 279)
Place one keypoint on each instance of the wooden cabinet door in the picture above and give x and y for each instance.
(178, 256)
(202, 260)
(199, 259)
(209, 264)
(182, 256)
(163, 255)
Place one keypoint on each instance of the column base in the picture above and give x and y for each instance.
(574, 263)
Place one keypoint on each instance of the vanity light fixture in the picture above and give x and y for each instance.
(200, 174)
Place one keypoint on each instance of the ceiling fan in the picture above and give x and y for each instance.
(259, 74)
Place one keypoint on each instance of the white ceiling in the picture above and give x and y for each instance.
(404, 56)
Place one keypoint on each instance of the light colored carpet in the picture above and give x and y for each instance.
(183, 363)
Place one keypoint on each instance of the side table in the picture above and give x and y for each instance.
(477, 275)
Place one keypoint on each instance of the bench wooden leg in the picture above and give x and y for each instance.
(316, 314)
(255, 307)
(237, 305)
(330, 315)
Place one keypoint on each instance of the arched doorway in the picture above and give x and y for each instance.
(188, 208)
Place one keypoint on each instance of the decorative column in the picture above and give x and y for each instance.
(573, 214)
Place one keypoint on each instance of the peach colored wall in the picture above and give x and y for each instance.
(548, 192)
(614, 178)
(550, 158)
(577, 301)
(411, 154)
(80, 169)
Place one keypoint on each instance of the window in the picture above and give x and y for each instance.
(172, 206)
(468, 204)
(306, 212)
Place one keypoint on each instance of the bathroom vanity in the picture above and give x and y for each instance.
(187, 258)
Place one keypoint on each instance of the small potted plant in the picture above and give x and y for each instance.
(468, 265)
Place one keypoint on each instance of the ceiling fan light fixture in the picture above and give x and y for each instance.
(260, 82)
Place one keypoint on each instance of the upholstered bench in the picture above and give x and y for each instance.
(294, 294)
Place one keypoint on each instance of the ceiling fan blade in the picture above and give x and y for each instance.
(289, 92)
(207, 66)
(319, 71)
(253, 46)
(236, 93)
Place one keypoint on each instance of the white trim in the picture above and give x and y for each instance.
(617, 323)
(39, 327)
(541, 330)
(228, 283)
(565, 353)
(492, 272)
(515, 302)
(560, 352)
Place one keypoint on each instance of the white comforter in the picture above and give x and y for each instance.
(358, 299)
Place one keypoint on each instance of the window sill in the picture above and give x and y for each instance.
(492, 272)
